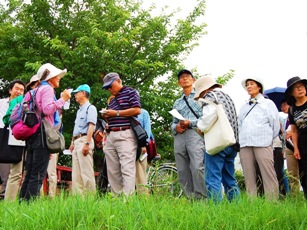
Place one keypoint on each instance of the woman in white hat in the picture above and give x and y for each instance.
(296, 95)
(38, 154)
(258, 126)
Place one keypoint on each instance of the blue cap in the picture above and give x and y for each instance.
(84, 87)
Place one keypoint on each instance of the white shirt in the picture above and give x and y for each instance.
(261, 125)
(4, 105)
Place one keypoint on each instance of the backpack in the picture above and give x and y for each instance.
(24, 120)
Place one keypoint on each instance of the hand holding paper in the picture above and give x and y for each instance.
(176, 114)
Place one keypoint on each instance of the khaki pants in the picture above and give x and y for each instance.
(14, 181)
(263, 156)
(120, 151)
(83, 178)
(292, 166)
(141, 176)
(52, 175)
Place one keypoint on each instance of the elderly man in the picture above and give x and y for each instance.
(121, 146)
(82, 144)
(189, 147)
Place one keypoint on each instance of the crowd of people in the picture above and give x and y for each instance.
(260, 139)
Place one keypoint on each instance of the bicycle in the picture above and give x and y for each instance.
(162, 179)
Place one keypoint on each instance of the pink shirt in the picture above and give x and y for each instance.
(46, 103)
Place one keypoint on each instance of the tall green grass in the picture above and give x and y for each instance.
(154, 212)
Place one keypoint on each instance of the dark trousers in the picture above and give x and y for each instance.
(302, 163)
(36, 167)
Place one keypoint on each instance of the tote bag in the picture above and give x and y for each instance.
(221, 134)
(8, 153)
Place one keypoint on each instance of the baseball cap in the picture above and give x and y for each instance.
(183, 71)
(84, 87)
(109, 79)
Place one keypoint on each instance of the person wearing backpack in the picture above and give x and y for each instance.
(82, 144)
(16, 90)
(37, 151)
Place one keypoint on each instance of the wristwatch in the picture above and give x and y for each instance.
(87, 143)
(117, 113)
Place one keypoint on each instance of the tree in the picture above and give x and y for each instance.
(93, 37)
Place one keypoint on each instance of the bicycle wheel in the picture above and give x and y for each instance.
(165, 181)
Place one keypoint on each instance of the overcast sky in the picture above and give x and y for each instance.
(263, 38)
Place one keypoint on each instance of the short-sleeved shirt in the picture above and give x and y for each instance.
(298, 117)
(127, 98)
(86, 114)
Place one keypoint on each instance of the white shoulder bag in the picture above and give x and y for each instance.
(221, 134)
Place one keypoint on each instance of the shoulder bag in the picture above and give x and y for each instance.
(54, 138)
(9, 153)
(139, 132)
(221, 134)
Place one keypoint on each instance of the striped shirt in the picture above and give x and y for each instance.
(127, 98)
(228, 106)
(181, 106)
(260, 126)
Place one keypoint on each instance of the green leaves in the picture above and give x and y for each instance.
(93, 37)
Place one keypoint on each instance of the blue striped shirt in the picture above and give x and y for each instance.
(185, 111)
(127, 98)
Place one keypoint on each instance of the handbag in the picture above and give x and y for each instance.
(9, 153)
(151, 148)
(221, 134)
(139, 132)
(54, 139)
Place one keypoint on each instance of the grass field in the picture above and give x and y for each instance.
(154, 212)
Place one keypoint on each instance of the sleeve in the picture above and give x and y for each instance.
(274, 119)
(147, 124)
(92, 115)
(209, 117)
(49, 104)
(13, 103)
(175, 121)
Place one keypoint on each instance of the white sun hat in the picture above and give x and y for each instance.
(48, 71)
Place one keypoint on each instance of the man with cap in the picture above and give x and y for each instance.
(121, 145)
(220, 168)
(258, 125)
(296, 94)
(82, 144)
(189, 147)
(38, 153)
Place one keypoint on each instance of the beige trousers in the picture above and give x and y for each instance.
(14, 181)
(120, 151)
(141, 176)
(83, 178)
(263, 156)
(293, 171)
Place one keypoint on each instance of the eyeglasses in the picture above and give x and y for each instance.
(298, 87)
(110, 86)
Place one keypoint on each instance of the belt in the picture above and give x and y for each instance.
(116, 129)
(78, 136)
